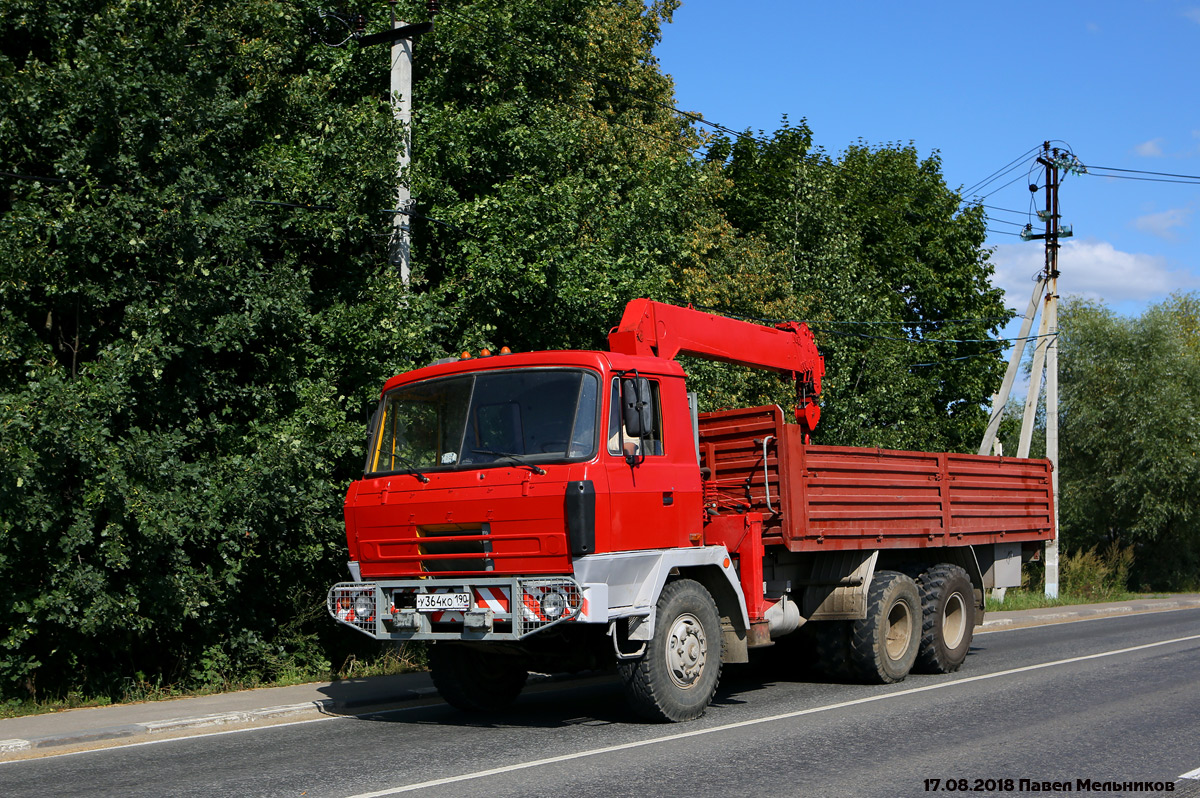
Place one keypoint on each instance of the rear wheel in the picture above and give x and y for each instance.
(676, 678)
(883, 646)
(474, 679)
(948, 618)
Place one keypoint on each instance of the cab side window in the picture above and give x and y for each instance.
(620, 439)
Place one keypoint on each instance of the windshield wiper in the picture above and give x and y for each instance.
(516, 458)
(412, 469)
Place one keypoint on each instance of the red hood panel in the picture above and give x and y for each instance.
(495, 521)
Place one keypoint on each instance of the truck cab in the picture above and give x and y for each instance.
(515, 464)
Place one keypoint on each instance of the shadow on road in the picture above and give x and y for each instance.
(596, 699)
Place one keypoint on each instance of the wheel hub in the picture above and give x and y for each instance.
(899, 631)
(954, 620)
(687, 650)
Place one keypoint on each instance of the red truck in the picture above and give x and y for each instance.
(566, 510)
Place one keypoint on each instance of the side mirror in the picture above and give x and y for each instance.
(637, 408)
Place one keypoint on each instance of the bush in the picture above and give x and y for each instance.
(1097, 575)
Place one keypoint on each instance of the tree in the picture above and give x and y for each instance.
(1129, 440)
(545, 138)
(184, 367)
(196, 311)
(873, 250)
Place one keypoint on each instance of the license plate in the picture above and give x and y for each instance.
(443, 602)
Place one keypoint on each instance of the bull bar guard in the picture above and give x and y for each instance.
(508, 608)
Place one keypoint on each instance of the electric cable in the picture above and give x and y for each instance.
(1142, 172)
(690, 115)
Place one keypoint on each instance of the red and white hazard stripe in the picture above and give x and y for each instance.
(491, 597)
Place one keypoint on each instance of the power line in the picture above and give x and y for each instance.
(1148, 179)
(1142, 172)
(271, 203)
(930, 340)
(1003, 170)
(1002, 319)
(690, 115)
(955, 359)
(1006, 210)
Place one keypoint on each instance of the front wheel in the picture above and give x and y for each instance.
(676, 678)
(474, 679)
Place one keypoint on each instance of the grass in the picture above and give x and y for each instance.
(391, 660)
(1023, 599)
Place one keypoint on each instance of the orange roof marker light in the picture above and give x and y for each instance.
(465, 355)
(504, 350)
(485, 353)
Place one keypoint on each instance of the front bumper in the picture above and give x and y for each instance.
(501, 608)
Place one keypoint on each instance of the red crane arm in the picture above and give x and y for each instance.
(660, 330)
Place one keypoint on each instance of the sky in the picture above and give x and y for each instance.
(1117, 83)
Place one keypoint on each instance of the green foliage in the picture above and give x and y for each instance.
(544, 137)
(1097, 575)
(1129, 439)
(872, 250)
(188, 359)
(184, 373)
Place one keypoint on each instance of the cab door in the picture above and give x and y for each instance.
(653, 478)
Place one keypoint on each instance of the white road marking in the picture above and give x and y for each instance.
(756, 721)
(1191, 774)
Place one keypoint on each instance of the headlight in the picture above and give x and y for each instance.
(364, 606)
(553, 604)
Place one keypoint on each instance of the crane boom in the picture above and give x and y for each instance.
(660, 330)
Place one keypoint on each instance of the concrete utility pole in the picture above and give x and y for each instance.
(400, 251)
(1000, 399)
(1045, 352)
(1051, 162)
(400, 38)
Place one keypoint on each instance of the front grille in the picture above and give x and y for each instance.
(439, 542)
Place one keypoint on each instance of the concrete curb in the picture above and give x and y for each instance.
(326, 706)
(1083, 611)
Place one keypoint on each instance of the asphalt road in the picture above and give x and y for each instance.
(1113, 700)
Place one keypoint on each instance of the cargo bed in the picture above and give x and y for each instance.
(839, 498)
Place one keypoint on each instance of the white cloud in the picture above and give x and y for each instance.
(1089, 268)
(1150, 149)
(1192, 13)
(1163, 223)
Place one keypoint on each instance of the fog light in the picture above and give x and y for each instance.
(553, 604)
(364, 606)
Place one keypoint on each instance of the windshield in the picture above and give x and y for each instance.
(503, 417)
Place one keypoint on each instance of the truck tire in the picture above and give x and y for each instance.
(676, 678)
(475, 680)
(947, 618)
(833, 648)
(883, 646)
